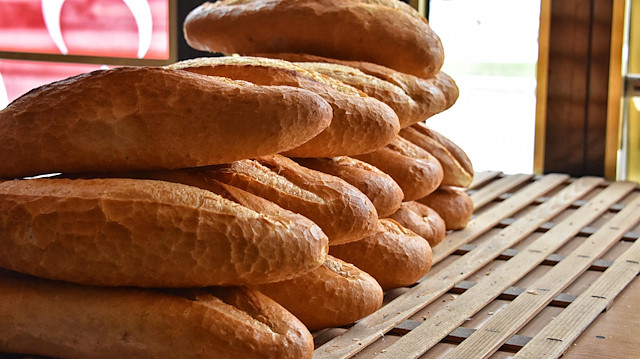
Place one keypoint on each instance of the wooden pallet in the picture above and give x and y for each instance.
(547, 252)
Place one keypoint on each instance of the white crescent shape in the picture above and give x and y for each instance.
(142, 14)
(51, 10)
(4, 98)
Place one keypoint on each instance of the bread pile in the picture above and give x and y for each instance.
(227, 206)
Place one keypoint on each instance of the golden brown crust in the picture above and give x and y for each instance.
(127, 232)
(359, 124)
(385, 194)
(394, 255)
(452, 204)
(58, 319)
(152, 118)
(415, 170)
(335, 294)
(458, 170)
(341, 29)
(343, 212)
(422, 220)
(434, 94)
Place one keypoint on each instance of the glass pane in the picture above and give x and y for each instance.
(491, 50)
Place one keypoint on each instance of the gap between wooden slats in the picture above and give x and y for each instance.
(480, 178)
(496, 188)
(506, 323)
(443, 322)
(370, 328)
(556, 337)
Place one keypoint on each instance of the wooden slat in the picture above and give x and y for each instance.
(554, 339)
(506, 323)
(374, 326)
(496, 188)
(438, 325)
(494, 215)
(480, 178)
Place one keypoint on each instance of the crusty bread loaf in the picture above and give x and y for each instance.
(434, 94)
(343, 212)
(422, 220)
(152, 118)
(64, 320)
(408, 111)
(415, 170)
(383, 32)
(360, 123)
(394, 255)
(453, 204)
(385, 194)
(457, 168)
(128, 232)
(335, 294)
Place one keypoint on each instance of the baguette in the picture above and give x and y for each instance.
(64, 320)
(385, 194)
(422, 220)
(434, 94)
(384, 32)
(335, 294)
(144, 233)
(394, 256)
(457, 168)
(152, 118)
(343, 212)
(415, 170)
(453, 204)
(360, 123)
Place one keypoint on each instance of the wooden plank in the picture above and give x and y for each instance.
(439, 324)
(375, 325)
(554, 339)
(506, 323)
(480, 178)
(489, 218)
(496, 188)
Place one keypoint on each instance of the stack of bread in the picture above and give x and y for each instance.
(228, 205)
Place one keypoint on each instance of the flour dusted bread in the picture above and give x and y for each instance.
(64, 320)
(152, 118)
(335, 294)
(144, 233)
(385, 194)
(385, 32)
(359, 124)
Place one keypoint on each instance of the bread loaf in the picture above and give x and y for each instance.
(385, 194)
(64, 320)
(415, 170)
(334, 295)
(343, 212)
(151, 118)
(128, 232)
(456, 166)
(422, 220)
(360, 123)
(384, 32)
(452, 204)
(394, 256)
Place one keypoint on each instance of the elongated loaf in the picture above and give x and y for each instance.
(385, 194)
(422, 220)
(64, 320)
(434, 94)
(415, 170)
(394, 256)
(152, 118)
(457, 168)
(384, 32)
(360, 123)
(343, 212)
(453, 204)
(335, 294)
(128, 232)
